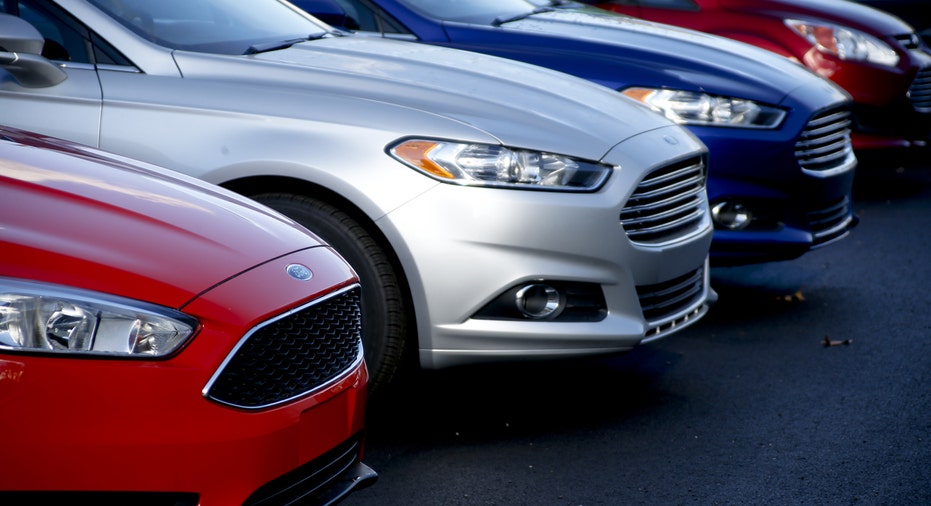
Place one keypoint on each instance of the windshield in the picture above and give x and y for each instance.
(214, 26)
(474, 11)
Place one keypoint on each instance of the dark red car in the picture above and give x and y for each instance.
(164, 341)
(876, 57)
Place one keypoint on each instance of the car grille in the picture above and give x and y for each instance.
(669, 297)
(292, 355)
(668, 204)
(831, 222)
(324, 480)
(824, 147)
(920, 92)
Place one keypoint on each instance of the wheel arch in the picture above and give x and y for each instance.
(255, 185)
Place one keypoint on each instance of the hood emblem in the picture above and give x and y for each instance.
(671, 140)
(299, 272)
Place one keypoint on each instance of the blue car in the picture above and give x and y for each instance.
(781, 165)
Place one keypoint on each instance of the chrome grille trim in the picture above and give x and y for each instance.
(828, 118)
(676, 303)
(675, 324)
(656, 300)
(919, 93)
(824, 149)
(293, 354)
(669, 226)
(675, 207)
(668, 204)
(831, 222)
(664, 179)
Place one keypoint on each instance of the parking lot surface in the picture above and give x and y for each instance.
(808, 383)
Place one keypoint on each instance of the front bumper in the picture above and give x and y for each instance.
(465, 246)
(110, 431)
(143, 429)
(794, 209)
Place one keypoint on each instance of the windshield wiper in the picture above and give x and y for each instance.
(284, 44)
(538, 10)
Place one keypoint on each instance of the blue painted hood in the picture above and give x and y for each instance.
(620, 51)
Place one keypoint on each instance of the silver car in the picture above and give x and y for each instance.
(493, 210)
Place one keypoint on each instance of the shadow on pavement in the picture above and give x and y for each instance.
(878, 181)
(500, 401)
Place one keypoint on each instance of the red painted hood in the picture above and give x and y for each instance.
(75, 216)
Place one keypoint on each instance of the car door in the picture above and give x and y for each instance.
(70, 109)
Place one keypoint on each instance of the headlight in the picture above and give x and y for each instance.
(694, 108)
(845, 43)
(38, 317)
(491, 165)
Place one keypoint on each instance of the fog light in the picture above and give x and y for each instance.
(731, 215)
(547, 300)
(537, 300)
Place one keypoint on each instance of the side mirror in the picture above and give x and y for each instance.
(20, 49)
(328, 11)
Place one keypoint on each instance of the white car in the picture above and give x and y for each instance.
(493, 210)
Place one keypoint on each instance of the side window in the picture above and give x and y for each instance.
(364, 16)
(65, 38)
(358, 16)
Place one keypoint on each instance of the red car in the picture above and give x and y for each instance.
(876, 57)
(163, 341)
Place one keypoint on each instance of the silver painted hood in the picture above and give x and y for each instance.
(519, 105)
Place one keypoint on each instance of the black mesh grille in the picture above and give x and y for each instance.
(667, 204)
(920, 92)
(663, 300)
(292, 355)
(824, 144)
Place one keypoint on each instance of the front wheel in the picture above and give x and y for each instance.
(384, 322)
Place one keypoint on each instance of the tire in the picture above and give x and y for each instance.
(384, 321)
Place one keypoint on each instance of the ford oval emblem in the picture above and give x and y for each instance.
(671, 140)
(299, 272)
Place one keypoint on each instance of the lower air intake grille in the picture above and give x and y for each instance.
(663, 300)
(668, 204)
(324, 480)
(292, 355)
(831, 222)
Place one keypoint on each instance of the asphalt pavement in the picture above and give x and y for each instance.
(808, 383)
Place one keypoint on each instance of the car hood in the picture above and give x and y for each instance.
(850, 14)
(75, 216)
(652, 54)
(418, 87)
